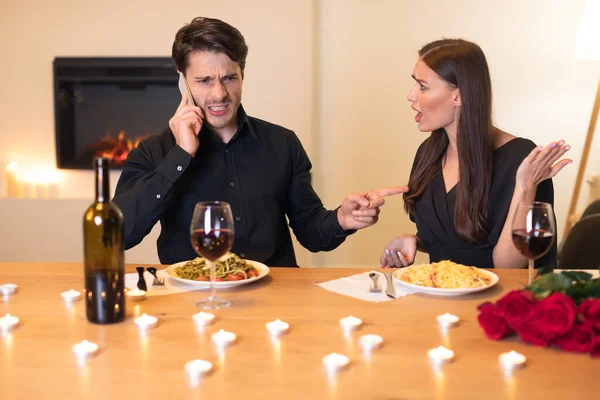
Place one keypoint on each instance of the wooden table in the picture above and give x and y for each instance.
(36, 359)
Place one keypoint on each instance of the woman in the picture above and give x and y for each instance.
(469, 176)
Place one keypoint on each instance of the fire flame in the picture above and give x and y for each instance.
(116, 149)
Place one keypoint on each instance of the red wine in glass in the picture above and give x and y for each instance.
(212, 235)
(533, 231)
(533, 244)
(212, 244)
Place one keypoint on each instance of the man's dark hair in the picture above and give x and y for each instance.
(208, 34)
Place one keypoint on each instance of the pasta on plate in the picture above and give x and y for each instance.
(228, 268)
(446, 275)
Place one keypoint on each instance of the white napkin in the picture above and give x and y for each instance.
(358, 286)
(171, 286)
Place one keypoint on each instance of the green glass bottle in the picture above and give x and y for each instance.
(103, 252)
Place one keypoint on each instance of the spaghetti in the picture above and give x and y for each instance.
(232, 268)
(447, 275)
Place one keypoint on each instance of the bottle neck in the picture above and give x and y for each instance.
(102, 187)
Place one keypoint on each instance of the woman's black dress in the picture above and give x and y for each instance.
(434, 210)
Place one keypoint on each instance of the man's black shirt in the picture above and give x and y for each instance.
(263, 173)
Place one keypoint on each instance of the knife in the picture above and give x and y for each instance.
(389, 288)
(141, 282)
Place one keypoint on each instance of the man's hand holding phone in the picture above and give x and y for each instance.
(187, 121)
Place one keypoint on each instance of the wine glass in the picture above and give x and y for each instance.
(533, 231)
(211, 232)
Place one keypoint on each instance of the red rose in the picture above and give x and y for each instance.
(516, 307)
(487, 306)
(556, 314)
(530, 331)
(494, 325)
(595, 347)
(578, 339)
(590, 309)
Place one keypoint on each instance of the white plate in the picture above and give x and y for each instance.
(263, 271)
(441, 291)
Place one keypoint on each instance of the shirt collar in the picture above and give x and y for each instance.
(244, 121)
(244, 126)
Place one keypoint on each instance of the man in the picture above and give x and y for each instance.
(214, 151)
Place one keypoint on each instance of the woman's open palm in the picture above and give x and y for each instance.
(541, 164)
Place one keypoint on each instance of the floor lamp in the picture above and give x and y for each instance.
(571, 219)
(587, 48)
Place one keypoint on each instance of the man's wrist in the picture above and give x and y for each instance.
(191, 153)
(341, 219)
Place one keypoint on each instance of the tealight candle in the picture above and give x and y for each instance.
(7, 289)
(335, 361)
(146, 321)
(447, 320)
(441, 354)
(512, 359)
(136, 294)
(203, 318)
(14, 187)
(84, 349)
(196, 368)
(370, 342)
(277, 327)
(350, 323)
(223, 338)
(8, 322)
(71, 296)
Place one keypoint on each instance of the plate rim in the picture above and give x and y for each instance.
(445, 291)
(264, 270)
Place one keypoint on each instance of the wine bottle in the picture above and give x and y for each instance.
(103, 248)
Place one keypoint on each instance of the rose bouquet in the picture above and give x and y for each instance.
(561, 310)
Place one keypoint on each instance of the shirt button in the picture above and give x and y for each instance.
(158, 196)
(226, 151)
(179, 168)
(242, 255)
(238, 219)
(231, 184)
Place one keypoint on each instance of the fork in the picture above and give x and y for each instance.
(157, 281)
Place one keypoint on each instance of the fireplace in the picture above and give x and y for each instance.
(106, 106)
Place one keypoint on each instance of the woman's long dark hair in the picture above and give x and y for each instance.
(463, 65)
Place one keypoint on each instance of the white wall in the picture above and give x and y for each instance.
(335, 71)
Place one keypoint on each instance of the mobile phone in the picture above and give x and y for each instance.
(184, 88)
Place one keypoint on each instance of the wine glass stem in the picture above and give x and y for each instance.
(213, 290)
(531, 271)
